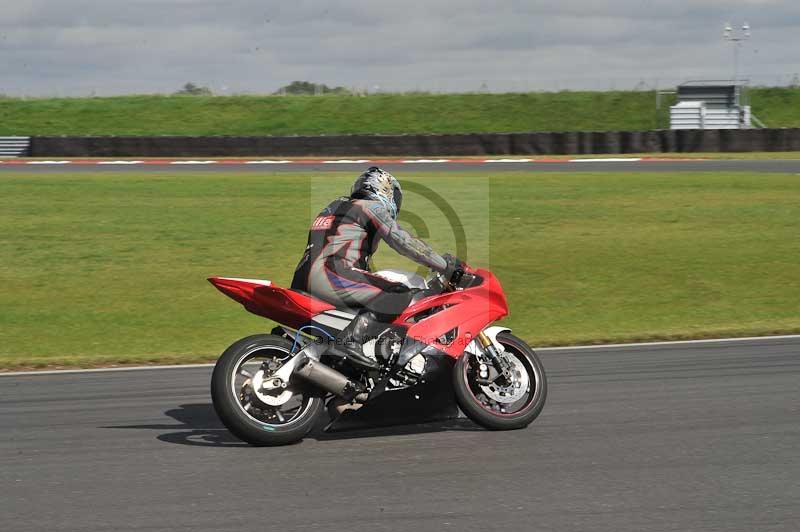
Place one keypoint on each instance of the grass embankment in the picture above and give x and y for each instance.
(387, 113)
(111, 268)
(310, 115)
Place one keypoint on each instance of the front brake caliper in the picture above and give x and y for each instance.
(487, 374)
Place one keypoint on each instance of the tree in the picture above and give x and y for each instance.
(306, 88)
(190, 89)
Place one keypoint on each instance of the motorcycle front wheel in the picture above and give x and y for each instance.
(252, 410)
(501, 405)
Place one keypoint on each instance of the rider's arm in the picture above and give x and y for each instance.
(401, 240)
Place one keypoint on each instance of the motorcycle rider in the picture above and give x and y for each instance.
(336, 264)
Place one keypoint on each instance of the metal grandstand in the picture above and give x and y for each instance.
(712, 104)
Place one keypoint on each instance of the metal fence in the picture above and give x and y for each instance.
(451, 84)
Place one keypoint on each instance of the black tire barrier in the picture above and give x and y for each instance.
(550, 143)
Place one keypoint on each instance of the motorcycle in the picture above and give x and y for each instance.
(442, 351)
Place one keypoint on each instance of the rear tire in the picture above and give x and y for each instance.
(227, 403)
(480, 413)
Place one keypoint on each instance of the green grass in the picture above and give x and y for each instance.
(276, 115)
(386, 113)
(110, 268)
(776, 107)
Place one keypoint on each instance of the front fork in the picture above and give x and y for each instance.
(499, 363)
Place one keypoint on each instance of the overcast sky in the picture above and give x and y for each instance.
(81, 47)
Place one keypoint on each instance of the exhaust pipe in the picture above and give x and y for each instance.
(326, 378)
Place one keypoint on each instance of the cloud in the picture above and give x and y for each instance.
(74, 47)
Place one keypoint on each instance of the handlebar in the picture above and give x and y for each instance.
(462, 278)
(456, 278)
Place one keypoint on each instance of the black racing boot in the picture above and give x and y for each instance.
(349, 342)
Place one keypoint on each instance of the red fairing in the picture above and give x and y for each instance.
(285, 306)
(470, 310)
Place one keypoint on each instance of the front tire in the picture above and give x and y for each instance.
(243, 412)
(475, 401)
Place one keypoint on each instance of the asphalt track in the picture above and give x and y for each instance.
(694, 437)
(664, 166)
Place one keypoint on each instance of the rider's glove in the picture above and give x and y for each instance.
(455, 268)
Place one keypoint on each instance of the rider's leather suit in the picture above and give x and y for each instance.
(336, 263)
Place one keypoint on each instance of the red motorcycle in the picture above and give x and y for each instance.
(271, 389)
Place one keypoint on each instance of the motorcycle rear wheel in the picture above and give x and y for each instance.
(243, 412)
(472, 397)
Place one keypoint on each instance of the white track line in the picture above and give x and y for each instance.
(544, 349)
(607, 160)
(103, 370)
(82, 162)
(672, 343)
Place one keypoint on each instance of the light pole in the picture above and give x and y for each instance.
(736, 40)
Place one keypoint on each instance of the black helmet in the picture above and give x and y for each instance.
(377, 184)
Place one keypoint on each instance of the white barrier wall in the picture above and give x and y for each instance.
(14, 146)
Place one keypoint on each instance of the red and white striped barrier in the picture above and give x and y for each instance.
(267, 162)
